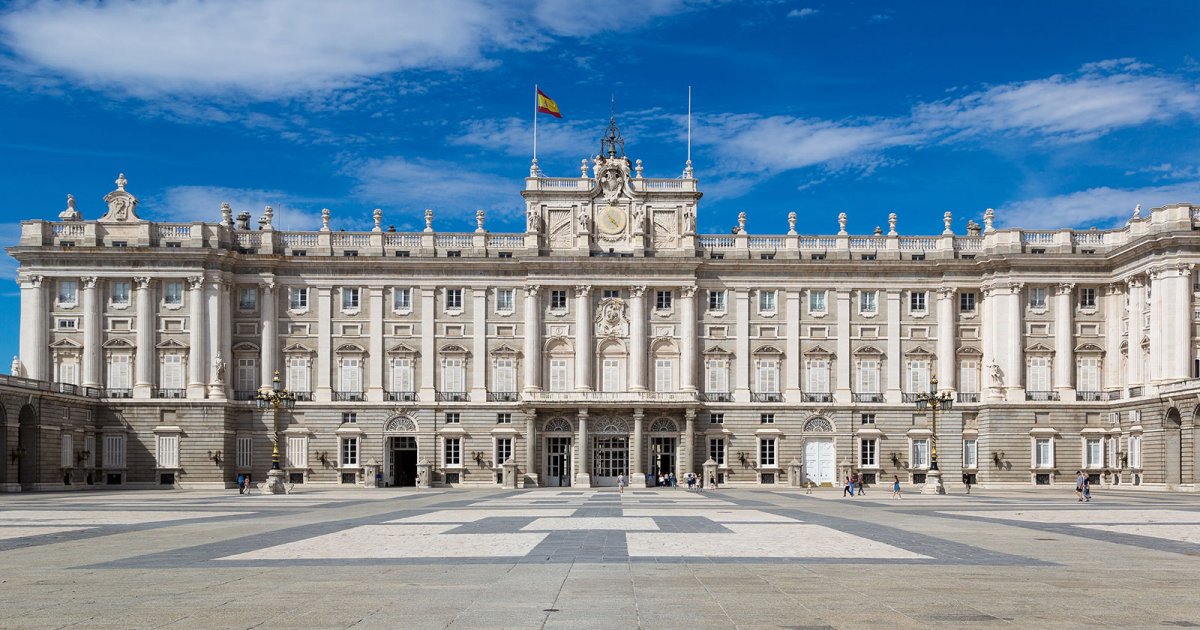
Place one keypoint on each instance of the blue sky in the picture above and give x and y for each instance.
(1056, 114)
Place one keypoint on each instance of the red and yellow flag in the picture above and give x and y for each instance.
(546, 105)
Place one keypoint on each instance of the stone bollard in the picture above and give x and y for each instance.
(710, 472)
(510, 478)
(424, 473)
(795, 478)
(370, 470)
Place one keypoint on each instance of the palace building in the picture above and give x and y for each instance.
(608, 338)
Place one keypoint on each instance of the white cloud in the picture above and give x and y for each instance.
(1167, 171)
(452, 192)
(1100, 207)
(514, 136)
(802, 13)
(203, 203)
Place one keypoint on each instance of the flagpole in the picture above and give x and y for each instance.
(535, 108)
(687, 168)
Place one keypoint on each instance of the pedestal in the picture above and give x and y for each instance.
(369, 474)
(637, 480)
(509, 474)
(424, 473)
(274, 483)
(933, 483)
(795, 478)
(710, 473)
(582, 480)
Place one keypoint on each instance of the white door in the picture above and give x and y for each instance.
(818, 460)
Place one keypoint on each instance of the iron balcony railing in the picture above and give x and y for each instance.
(1041, 396)
(401, 396)
(348, 396)
(868, 398)
(767, 397)
(503, 397)
(1089, 396)
(821, 397)
(968, 397)
(453, 397)
(716, 397)
(160, 392)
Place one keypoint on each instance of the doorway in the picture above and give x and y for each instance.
(1173, 426)
(610, 457)
(403, 460)
(558, 462)
(819, 461)
(662, 457)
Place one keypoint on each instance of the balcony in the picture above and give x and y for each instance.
(609, 397)
(818, 397)
(401, 396)
(1089, 396)
(1041, 396)
(868, 398)
(1134, 392)
(245, 394)
(117, 392)
(716, 397)
(348, 396)
(453, 397)
(159, 392)
(968, 397)
(1112, 394)
(909, 397)
(304, 395)
(767, 397)
(503, 397)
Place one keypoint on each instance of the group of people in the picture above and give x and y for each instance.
(243, 482)
(668, 480)
(1083, 487)
(854, 482)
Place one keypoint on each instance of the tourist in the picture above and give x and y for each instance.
(847, 487)
(241, 484)
(621, 483)
(967, 482)
(1087, 489)
(1079, 479)
(895, 486)
(860, 485)
(691, 480)
(671, 480)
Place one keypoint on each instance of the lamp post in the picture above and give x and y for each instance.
(933, 401)
(275, 398)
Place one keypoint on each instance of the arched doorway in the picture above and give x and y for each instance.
(662, 449)
(819, 454)
(27, 442)
(558, 434)
(400, 461)
(1172, 447)
(610, 450)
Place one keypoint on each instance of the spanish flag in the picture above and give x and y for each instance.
(546, 105)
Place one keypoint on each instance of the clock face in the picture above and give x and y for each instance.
(611, 220)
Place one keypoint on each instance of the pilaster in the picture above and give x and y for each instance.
(92, 325)
(324, 391)
(479, 354)
(584, 355)
(894, 358)
(741, 370)
(533, 340)
(144, 359)
(1064, 347)
(843, 359)
(197, 386)
(687, 335)
(946, 374)
(637, 339)
(375, 354)
(267, 321)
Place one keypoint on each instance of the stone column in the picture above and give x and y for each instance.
(1064, 349)
(1012, 316)
(792, 370)
(218, 367)
(687, 335)
(1155, 292)
(533, 339)
(1177, 324)
(637, 339)
(479, 352)
(428, 349)
(143, 382)
(843, 358)
(689, 441)
(637, 475)
(1114, 304)
(375, 353)
(92, 326)
(197, 339)
(947, 375)
(741, 351)
(1133, 367)
(268, 313)
(583, 338)
(895, 358)
(324, 390)
(583, 479)
(34, 328)
(531, 467)
(225, 343)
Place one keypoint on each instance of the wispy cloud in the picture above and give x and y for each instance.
(454, 193)
(802, 13)
(1100, 207)
(203, 203)
(514, 136)
(1167, 171)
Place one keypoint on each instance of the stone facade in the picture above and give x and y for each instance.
(608, 323)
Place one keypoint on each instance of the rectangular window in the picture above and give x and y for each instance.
(966, 302)
(454, 299)
(968, 376)
(816, 301)
(867, 453)
(610, 376)
(766, 418)
(664, 372)
(453, 376)
(970, 454)
(558, 300)
(1037, 297)
(505, 376)
(662, 300)
(917, 301)
(504, 451)
(245, 452)
(716, 450)
(1043, 453)
(350, 380)
(1039, 374)
(766, 300)
(402, 299)
(114, 451)
(504, 300)
(173, 294)
(453, 451)
(402, 374)
(67, 323)
(768, 377)
(716, 301)
(246, 376)
(920, 454)
(172, 371)
(766, 452)
(297, 374)
(716, 377)
(349, 417)
(504, 418)
(716, 418)
(167, 453)
(868, 376)
(297, 451)
(1135, 451)
(118, 372)
(349, 452)
(68, 373)
(868, 301)
(1089, 374)
(610, 293)
(918, 376)
(68, 292)
(350, 299)
(818, 376)
(298, 298)
(559, 375)
(1087, 298)
(66, 455)
(120, 293)
(453, 417)
(247, 298)
(1093, 453)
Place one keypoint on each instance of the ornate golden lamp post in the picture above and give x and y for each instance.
(933, 401)
(275, 398)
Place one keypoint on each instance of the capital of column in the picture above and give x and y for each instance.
(582, 414)
(583, 290)
(142, 282)
(267, 286)
(688, 292)
(195, 282)
(1112, 288)
(637, 292)
(1064, 288)
(1135, 282)
(946, 293)
(88, 282)
(531, 290)
(639, 414)
(689, 414)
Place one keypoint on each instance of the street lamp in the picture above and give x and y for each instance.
(933, 401)
(275, 398)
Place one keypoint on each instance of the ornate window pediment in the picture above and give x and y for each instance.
(717, 350)
(402, 348)
(869, 350)
(1039, 348)
(1089, 348)
(969, 351)
(297, 348)
(171, 344)
(558, 425)
(453, 348)
(66, 344)
(664, 345)
(768, 349)
(558, 345)
(918, 352)
(245, 346)
(504, 350)
(118, 343)
(817, 351)
(350, 348)
(664, 425)
(400, 424)
(818, 424)
(611, 425)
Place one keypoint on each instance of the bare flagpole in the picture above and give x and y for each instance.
(533, 167)
(687, 170)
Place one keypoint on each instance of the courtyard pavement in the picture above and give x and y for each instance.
(575, 558)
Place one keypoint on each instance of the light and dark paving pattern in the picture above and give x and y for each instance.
(598, 559)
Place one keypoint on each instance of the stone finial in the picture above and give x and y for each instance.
(268, 218)
(878, 231)
(479, 221)
(262, 222)
(892, 224)
(947, 219)
(741, 223)
(989, 218)
(226, 215)
(583, 168)
(377, 215)
(638, 169)
(688, 173)
(70, 214)
(428, 220)
(121, 181)
(842, 224)
(1137, 211)
(973, 228)
(15, 367)
(324, 219)
(791, 224)
(534, 171)
(243, 220)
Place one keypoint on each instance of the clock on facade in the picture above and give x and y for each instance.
(611, 220)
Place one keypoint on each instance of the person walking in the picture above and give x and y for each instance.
(672, 481)
(691, 480)
(621, 483)
(241, 484)
(847, 487)
(967, 482)
(1087, 489)
(1080, 478)
(861, 492)
(895, 486)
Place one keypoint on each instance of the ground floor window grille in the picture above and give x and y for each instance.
(114, 451)
(168, 451)
(245, 452)
(611, 457)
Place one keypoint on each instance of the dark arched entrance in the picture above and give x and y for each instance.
(1173, 447)
(27, 442)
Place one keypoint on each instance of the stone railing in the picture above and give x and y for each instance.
(609, 397)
